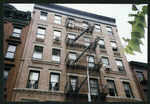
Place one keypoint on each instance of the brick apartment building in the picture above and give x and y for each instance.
(140, 73)
(54, 68)
(15, 32)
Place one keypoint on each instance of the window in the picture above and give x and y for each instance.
(73, 82)
(72, 55)
(57, 35)
(71, 37)
(109, 30)
(101, 44)
(140, 75)
(41, 32)
(91, 61)
(105, 60)
(57, 19)
(6, 73)
(54, 82)
(112, 88)
(94, 86)
(85, 25)
(145, 92)
(127, 89)
(16, 32)
(114, 46)
(97, 28)
(37, 54)
(71, 23)
(10, 51)
(56, 55)
(87, 41)
(120, 65)
(33, 79)
(43, 16)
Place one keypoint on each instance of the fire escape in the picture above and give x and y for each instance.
(76, 90)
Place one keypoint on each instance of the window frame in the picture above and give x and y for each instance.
(57, 19)
(98, 29)
(43, 16)
(52, 73)
(102, 46)
(115, 49)
(120, 66)
(5, 79)
(114, 90)
(91, 62)
(84, 27)
(85, 42)
(130, 90)
(40, 33)
(55, 55)
(97, 87)
(15, 27)
(107, 59)
(73, 82)
(41, 52)
(10, 52)
(54, 36)
(36, 71)
(109, 31)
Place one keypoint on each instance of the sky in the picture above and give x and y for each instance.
(119, 12)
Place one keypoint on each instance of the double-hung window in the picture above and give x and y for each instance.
(139, 74)
(85, 25)
(120, 65)
(10, 51)
(109, 30)
(73, 82)
(37, 54)
(114, 46)
(112, 88)
(94, 86)
(56, 55)
(72, 55)
(16, 32)
(97, 28)
(101, 44)
(71, 23)
(87, 41)
(128, 90)
(43, 16)
(57, 19)
(54, 82)
(41, 32)
(57, 35)
(6, 73)
(71, 37)
(91, 61)
(105, 60)
(33, 79)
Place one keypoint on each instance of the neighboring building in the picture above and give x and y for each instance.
(15, 32)
(140, 72)
(49, 69)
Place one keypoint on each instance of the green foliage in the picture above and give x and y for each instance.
(134, 8)
(138, 25)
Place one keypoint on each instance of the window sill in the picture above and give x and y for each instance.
(10, 59)
(12, 37)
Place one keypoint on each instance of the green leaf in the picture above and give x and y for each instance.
(141, 42)
(132, 22)
(134, 8)
(135, 35)
(126, 40)
(145, 9)
(141, 19)
(135, 45)
(138, 28)
(129, 50)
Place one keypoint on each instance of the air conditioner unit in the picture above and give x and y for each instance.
(56, 38)
(107, 67)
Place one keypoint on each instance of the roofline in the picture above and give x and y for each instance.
(139, 64)
(76, 13)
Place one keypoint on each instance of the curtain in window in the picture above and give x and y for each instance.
(33, 79)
